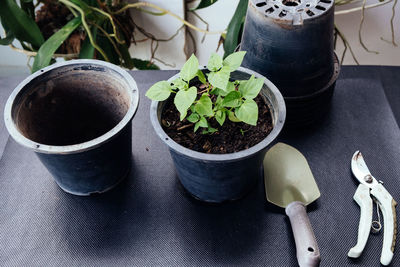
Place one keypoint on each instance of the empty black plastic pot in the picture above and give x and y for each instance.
(76, 116)
(291, 43)
(222, 177)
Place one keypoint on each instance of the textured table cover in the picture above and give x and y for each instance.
(150, 221)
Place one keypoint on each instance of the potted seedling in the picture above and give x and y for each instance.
(218, 123)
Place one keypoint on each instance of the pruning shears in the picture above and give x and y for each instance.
(368, 187)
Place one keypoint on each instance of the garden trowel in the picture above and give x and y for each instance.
(290, 184)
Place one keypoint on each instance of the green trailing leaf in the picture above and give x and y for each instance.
(209, 130)
(184, 99)
(220, 116)
(204, 4)
(232, 117)
(189, 69)
(234, 28)
(204, 106)
(215, 62)
(180, 84)
(160, 91)
(232, 100)
(201, 77)
(251, 88)
(248, 112)
(24, 28)
(47, 50)
(233, 61)
(144, 64)
(87, 50)
(193, 118)
(220, 78)
(201, 123)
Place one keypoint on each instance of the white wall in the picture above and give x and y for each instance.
(218, 16)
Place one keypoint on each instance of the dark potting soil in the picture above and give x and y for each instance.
(231, 136)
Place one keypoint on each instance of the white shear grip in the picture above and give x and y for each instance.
(364, 200)
(388, 207)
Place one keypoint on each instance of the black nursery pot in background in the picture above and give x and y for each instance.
(291, 43)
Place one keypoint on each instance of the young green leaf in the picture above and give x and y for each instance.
(159, 91)
(201, 77)
(233, 61)
(220, 116)
(220, 78)
(180, 84)
(232, 117)
(204, 106)
(215, 62)
(248, 112)
(184, 99)
(251, 88)
(232, 100)
(189, 69)
(201, 123)
(193, 118)
(209, 130)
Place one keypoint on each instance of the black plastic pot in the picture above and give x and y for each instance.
(291, 43)
(222, 177)
(76, 116)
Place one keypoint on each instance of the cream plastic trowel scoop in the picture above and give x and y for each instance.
(290, 184)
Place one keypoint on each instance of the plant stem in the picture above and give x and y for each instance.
(92, 41)
(110, 18)
(360, 29)
(347, 11)
(146, 4)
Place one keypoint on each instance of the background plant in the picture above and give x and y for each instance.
(215, 96)
(105, 28)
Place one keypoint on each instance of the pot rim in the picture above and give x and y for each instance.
(228, 156)
(76, 148)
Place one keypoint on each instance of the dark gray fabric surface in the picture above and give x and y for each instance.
(150, 221)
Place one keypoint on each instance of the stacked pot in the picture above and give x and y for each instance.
(291, 43)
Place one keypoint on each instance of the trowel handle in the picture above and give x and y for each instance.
(306, 244)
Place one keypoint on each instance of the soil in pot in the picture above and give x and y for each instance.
(231, 136)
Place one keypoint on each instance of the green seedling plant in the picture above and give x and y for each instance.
(215, 95)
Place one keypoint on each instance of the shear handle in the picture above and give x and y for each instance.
(363, 199)
(388, 207)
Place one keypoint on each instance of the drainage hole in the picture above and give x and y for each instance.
(291, 2)
(269, 10)
(326, 1)
(320, 8)
(261, 4)
(310, 13)
(310, 249)
(282, 14)
(308, 5)
(276, 6)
